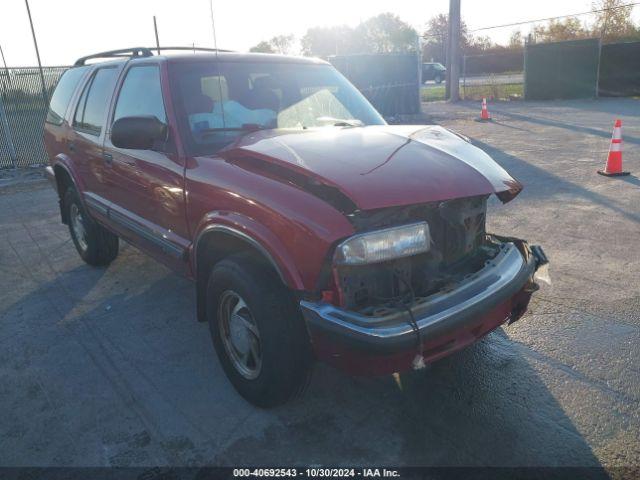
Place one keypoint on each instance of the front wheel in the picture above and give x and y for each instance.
(257, 331)
(438, 79)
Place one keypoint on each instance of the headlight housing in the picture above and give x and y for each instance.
(383, 245)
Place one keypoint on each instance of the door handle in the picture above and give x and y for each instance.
(72, 146)
(108, 158)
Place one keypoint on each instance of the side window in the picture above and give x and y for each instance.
(63, 93)
(91, 108)
(141, 94)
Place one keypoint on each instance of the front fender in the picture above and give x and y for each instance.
(258, 236)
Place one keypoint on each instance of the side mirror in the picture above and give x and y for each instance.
(138, 132)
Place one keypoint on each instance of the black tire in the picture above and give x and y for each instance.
(98, 246)
(437, 79)
(284, 346)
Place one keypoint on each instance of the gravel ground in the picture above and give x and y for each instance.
(102, 367)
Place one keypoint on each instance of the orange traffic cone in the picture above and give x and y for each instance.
(484, 114)
(613, 167)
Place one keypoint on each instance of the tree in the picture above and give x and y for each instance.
(279, 44)
(614, 21)
(383, 33)
(386, 33)
(283, 44)
(557, 31)
(325, 41)
(516, 40)
(477, 45)
(435, 38)
(262, 47)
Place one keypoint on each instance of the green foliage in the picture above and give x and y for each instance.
(496, 91)
(614, 23)
(435, 38)
(560, 30)
(387, 33)
(384, 33)
(263, 47)
(325, 41)
(278, 44)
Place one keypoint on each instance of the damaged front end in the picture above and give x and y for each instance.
(418, 307)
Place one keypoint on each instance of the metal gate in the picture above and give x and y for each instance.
(22, 112)
(390, 81)
(562, 70)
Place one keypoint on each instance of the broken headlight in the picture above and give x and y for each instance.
(383, 245)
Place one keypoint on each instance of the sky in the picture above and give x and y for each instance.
(68, 29)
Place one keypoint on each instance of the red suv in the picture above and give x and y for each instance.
(312, 229)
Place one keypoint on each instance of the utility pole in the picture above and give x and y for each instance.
(453, 57)
(155, 29)
(35, 43)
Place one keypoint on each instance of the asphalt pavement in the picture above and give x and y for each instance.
(108, 367)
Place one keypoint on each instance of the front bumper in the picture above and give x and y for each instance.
(437, 316)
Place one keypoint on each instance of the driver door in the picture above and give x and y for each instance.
(146, 187)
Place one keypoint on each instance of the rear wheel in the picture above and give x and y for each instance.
(257, 331)
(96, 245)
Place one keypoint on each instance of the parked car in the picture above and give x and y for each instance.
(311, 228)
(433, 71)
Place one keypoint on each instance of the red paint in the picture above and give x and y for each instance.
(363, 363)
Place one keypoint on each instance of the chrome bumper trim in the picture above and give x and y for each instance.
(501, 278)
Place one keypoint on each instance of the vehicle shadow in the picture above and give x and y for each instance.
(485, 406)
(541, 184)
(134, 381)
(548, 122)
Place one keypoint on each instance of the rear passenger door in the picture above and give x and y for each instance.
(85, 140)
(146, 191)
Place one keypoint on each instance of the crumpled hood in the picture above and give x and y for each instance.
(382, 166)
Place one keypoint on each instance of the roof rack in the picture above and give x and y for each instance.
(187, 49)
(125, 52)
(141, 52)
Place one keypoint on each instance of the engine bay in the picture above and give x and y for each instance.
(459, 248)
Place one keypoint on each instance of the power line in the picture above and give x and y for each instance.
(554, 18)
(524, 22)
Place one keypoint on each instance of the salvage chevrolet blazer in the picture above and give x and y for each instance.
(312, 229)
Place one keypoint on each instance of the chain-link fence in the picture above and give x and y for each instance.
(23, 107)
(495, 75)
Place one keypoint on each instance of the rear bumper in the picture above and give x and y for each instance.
(496, 294)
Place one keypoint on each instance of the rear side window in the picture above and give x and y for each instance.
(141, 94)
(62, 94)
(91, 108)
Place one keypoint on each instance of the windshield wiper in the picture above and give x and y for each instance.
(341, 122)
(247, 127)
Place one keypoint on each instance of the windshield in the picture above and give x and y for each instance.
(217, 103)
